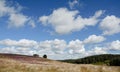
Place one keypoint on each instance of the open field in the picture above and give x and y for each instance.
(32, 64)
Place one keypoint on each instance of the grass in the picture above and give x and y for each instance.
(99, 63)
(9, 65)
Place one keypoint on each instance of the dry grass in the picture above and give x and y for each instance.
(10, 65)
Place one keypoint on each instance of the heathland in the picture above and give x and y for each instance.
(23, 63)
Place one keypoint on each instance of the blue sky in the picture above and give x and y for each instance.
(62, 29)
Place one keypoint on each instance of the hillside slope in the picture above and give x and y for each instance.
(24, 58)
(104, 59)
(21, 63)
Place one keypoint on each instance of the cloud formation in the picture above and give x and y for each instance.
(76, 47)
(17, 20)
(15, 17)
(95, 51)
(20, 43)
(56, 47)
(115, 45)
(110, 25)
(65, 21)
(94, 39)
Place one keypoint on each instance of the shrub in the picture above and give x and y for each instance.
(35, 55)
(45, 56)
(115, 62)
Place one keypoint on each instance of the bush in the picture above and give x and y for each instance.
(115, 62)
(45, 56)
(35, 55)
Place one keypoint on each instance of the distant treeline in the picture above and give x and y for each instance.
(104, 59)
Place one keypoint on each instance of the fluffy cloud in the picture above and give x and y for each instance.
(32, 23)
(18, 50)
(15, 17)
(55, 48)
(110, 25)
(96, 50)
(76, 46)
(52, 48)
(58, 46)
(99, 50)
(115, 45)
(20, 43)
(4, 9)
(94, 39)
(65, 21)
(17, 20)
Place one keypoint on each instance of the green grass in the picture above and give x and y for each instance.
(99, 63)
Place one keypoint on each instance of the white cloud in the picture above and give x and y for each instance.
(20, 43)
(32, 23)
(76, 46)
(115, 45)
(99, 50)
(52, 48)
(18, 50)
(61, 48)
(55, 48)
(94, 39)
(73, 3)
(43, 19)
(45, 44)
(15, 17)
(64, 21)
(110, 25)
(96, 50)
(17, 20)
(58, 46)
(4, 9)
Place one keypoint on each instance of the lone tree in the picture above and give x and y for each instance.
(44, 56)
(35, 55)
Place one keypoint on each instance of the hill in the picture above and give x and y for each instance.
(104, 59)
(23, 63)
(24, 58)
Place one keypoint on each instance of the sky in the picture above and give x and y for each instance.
(61, 29)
